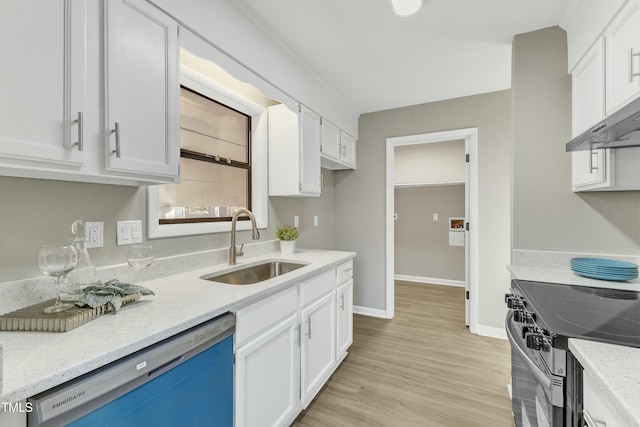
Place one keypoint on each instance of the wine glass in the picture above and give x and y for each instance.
(140, 257)
(57, 261)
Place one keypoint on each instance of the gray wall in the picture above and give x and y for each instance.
(547, 215)
(360, 195)
(36, 212)
(422, 244)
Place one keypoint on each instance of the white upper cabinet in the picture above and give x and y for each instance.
(58, 122)
(43, 84)
(589, 167)
(623, 57)
(294, 152)
(338, 148)
(605, 78)
(348, 149)
(142, 90)
(330, 147)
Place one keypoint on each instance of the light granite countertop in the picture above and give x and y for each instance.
(37, 361)
(615, 371)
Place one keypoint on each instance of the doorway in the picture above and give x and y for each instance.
(470, 138)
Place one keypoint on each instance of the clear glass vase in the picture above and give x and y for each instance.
(84, 274)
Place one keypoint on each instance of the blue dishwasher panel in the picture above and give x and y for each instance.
(198, 392)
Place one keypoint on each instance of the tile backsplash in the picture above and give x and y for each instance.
(561, 260)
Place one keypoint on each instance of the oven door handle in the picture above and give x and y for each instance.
(539, 375)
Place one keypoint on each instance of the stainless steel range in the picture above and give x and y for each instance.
(546, 379)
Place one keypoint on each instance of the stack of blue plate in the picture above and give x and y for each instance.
(605, 269)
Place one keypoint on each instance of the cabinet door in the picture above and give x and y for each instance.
(597, 410)
(330, 140)
(43, 83)
(345, 318)
(623, 57)
(589, 168)
(142, 88)
(267, 377)
(309, 151)
(318, 347)
(348, 149)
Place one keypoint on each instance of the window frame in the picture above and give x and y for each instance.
(202, 157)
(197, 82)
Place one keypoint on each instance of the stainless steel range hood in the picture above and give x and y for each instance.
(620, 129)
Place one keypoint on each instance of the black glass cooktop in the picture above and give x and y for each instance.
(599, 314)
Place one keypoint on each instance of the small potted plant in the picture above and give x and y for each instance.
(287, 235)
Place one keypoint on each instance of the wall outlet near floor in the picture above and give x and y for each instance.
(435, 216)
(128, 232)
(95, 234)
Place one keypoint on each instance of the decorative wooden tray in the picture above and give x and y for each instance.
(33, 319)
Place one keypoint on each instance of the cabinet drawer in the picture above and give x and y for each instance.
(318, 286)
(345, 272)
(258, 317)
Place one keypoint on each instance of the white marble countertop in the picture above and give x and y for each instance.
(615, 371)
(37, 361)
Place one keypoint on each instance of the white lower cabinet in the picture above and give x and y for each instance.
(596, 409)
(287, 347)
(268, 377)
(318, 344)
(344, 303)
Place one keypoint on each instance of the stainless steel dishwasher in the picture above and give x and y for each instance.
(185, 380)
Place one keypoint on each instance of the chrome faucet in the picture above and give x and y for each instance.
(233, 251)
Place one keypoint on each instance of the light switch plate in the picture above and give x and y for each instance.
(128, 232)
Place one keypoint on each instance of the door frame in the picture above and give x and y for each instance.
(470, 136)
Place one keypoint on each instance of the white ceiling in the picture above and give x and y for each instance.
(378, 61)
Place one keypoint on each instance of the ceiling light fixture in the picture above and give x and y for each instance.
(406, 7)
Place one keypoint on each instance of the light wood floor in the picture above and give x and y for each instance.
(422, 368)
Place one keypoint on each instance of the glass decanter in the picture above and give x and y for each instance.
(84, 274)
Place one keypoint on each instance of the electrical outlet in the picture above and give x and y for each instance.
(296, 221)
(315, 220)
(95, 234)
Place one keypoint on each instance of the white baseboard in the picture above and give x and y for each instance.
(429, 280)
(491, 331)
(366, 311)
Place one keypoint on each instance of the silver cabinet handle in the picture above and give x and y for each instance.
(116, 130)
(631, 73)
(344, 150)
(309, 328)
(80, 142)
(342, 302)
